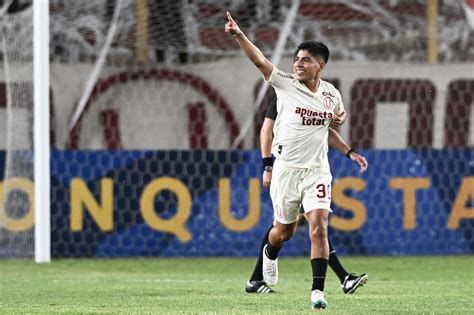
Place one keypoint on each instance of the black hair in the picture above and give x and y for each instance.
(315, 48)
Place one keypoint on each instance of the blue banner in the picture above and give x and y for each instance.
(211, 203)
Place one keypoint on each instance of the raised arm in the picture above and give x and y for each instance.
(336, 142)
(252, 51)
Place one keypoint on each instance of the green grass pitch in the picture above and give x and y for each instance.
(397, 285)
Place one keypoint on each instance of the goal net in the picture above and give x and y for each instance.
(16, 189)
(155, 118)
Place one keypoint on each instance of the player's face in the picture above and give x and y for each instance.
(306, 66)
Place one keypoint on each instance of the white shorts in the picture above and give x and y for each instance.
(292, 188)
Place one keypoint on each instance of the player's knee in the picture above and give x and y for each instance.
(319, 233)
(285, 234)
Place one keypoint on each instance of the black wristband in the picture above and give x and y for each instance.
(267, 161)
(348, 154)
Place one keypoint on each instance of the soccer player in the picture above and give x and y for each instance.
(301, 175)
(349, 281)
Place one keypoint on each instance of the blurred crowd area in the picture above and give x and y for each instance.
(164, 65)
(190, 31)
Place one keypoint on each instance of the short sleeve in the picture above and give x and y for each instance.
(272, 108)
(280, 79)
(339, 104)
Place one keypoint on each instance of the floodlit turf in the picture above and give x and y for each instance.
(408, 285)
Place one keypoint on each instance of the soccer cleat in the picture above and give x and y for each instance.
(317, 300)
(352, 282)
(269, 268)
(258, 287)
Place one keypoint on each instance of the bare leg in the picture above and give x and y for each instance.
(318, 224)
(277, 236)
(281, 233)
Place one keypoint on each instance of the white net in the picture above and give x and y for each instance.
(149, 96)
(186, 39)
(16, 207)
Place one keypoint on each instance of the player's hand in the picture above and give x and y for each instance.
(266, 179)
(337, 121)
(231, 27)
(360, 160)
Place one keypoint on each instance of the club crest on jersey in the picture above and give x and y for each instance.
(328, 103)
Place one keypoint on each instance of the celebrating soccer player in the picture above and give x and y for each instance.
(301, 175)
(349, 281)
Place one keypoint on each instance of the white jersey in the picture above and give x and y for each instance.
(301, 127)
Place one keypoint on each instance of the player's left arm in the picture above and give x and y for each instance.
(336, 142)
(338, 120)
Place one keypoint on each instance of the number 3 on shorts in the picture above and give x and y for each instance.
(323, 191)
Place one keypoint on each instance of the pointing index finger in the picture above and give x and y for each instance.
(229, 17)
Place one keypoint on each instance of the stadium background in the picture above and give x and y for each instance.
(155, 147)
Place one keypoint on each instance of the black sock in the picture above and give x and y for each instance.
(319, 267)
(272, 251)
(335, 264)
(257, 272)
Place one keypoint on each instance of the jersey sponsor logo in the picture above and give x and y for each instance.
(313, 118)
(325, 93)
(311, 113)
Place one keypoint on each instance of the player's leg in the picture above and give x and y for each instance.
(256, 284)
(318, 223)
(277, 236)
(286, 203)
(335, 264)
(349, 281)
